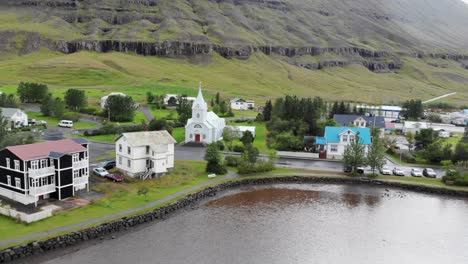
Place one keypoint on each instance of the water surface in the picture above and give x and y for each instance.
(295, 224)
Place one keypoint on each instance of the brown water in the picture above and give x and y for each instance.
(296, 224)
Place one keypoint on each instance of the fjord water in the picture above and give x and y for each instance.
(296, 224)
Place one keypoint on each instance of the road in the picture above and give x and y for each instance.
(438, 98)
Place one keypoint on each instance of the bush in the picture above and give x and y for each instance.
(111, 129)
(220, 145)
(259, 166)
(408, 157)
(232, 161)
(26, 129)
(89, 111)
(71, 116)
(216, 168)
(238, 148)
(459, 180)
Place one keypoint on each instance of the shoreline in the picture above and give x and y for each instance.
(124, 224)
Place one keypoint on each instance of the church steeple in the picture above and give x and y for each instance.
(199, 107)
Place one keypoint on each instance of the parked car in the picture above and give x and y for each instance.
(397, 171)
(114, 177)
(415, 172)
(360, 170)
(100, 171)
(385, 171)
(32, 122)
(108, 164)
(347, 168)
(66, 123)
(429, 173)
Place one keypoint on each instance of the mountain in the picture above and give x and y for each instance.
(383, 36)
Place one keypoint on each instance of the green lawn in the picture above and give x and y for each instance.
(246, 113)
(164, 113)
(118, 197)
(52, 121)
(453, 140)
(179, 134)
(258, 78)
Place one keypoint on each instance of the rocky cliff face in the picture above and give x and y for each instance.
(369, 32)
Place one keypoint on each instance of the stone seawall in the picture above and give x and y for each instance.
(106, 229)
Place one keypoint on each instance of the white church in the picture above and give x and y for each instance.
(204, 126)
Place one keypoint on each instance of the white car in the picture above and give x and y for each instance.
(66, 123)
(398, 171)
(416, 172)
(385, 170)
(99, 171)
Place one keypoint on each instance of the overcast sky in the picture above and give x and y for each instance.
(466, 1)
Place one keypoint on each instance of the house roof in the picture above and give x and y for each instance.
(321, 141)
(332, 134)
(114, 94)
(9, 112)
(409, 124)
(137, 139)
(243, 128)
(237, 100)
(346, 120)
(44, 149)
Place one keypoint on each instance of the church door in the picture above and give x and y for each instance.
(197, 138)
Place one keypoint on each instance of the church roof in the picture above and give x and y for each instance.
(200, 100)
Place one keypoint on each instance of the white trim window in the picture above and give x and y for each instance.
(43, 163)
(17, 182)
(129, 163)
(8, 180)
(333, 148)
(129, 150)
(345, 138)
(17, 165)
(76, 174)
(352, 138)
(120, 147)
(35, 164)
(76, 157)
(120, 160)
(8, 163)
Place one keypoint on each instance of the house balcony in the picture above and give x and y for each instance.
(41, 190)
(36, 173)
(80, 180)
(84, 163)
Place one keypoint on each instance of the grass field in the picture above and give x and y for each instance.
(52, 121)
(138, 119)
(260, 135)
(118, 197)
(259, 78)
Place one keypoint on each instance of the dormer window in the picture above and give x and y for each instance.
(351, 138)
(345, 138)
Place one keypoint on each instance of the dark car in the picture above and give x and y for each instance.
(429, 173)
(114, 177)
(108, 164)
(347, 169)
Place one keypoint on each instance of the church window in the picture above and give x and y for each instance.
(191, 136)
(198, 126)
(198, 115)
(204, 136)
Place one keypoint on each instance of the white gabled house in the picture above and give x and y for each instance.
(143, 154)
(241, 104)
(15, 117)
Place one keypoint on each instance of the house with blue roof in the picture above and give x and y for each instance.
(333, 144)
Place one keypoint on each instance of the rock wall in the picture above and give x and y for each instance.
(107, 229)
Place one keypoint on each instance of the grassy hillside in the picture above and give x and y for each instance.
(259, 77)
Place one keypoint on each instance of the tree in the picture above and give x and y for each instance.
(215, 159)
(120, 108)
(437, 152)
(251, 154)
(413, 109)
(149, 97)
(32, 92)
(376, 155)
(218, 98)
(3, 129)
(53, 106)
(460, 153)
(229, 136)
(76, 99)
(8, 100)
(247, 138)
(223, 107)
(425, 137)
(267, 111)
(184, 109)
(342, 108)
(355, 154)
(160, 124)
